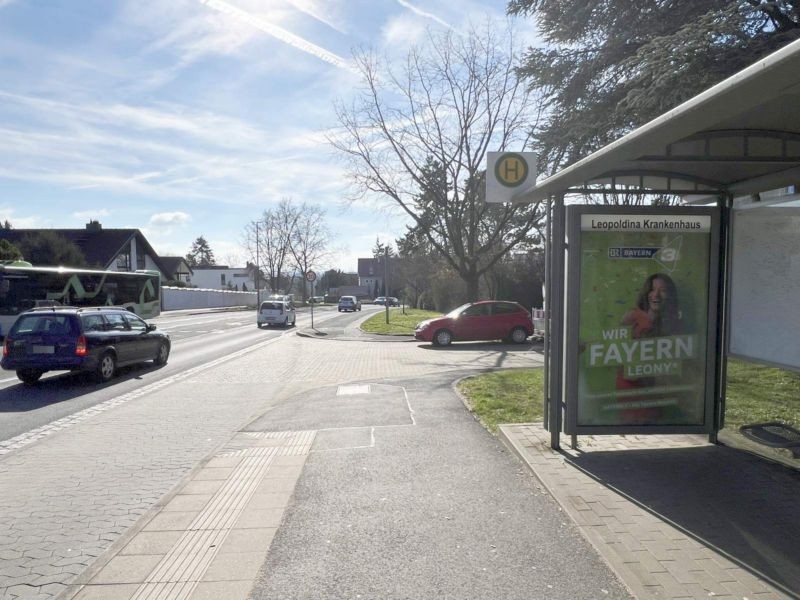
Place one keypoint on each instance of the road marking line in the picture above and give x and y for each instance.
(39, 433)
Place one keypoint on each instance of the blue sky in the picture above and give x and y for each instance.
(190, 117)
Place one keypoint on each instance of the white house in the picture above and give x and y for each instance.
(222, 277)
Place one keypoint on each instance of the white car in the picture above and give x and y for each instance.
(276, 312)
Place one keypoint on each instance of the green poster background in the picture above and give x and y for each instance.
(627, 385)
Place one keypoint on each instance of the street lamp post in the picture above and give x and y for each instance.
(386, 280)
(258, 271)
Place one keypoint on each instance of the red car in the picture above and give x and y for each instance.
(486, 320)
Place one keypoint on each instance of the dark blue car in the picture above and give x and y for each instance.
(96, 340)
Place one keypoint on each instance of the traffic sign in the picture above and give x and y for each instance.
(311, 276)
(508, 173)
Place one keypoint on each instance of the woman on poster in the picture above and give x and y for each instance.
(656, 314)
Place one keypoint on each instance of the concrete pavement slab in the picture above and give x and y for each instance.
(690, 519)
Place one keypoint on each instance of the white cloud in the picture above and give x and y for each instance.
(403, 31)
(10, 214)
(92, 213)
(169, 219)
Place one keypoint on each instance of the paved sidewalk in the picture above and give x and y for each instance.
(675, 516)
(68, 497)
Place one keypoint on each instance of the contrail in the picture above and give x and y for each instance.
(278, 32)
(423, 13)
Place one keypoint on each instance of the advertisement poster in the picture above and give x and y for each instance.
(643, 319)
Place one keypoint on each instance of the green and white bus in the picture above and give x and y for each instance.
(23, 287)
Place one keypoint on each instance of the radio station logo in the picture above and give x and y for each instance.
(667, 256)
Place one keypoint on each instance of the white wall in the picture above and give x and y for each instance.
(174, 298)
(210, 278)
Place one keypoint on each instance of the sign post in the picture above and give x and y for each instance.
(311, 277)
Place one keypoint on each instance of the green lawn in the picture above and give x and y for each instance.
(755, 394)
(399, 323)
(512, 396)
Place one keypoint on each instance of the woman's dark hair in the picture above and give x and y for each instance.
(668, 319)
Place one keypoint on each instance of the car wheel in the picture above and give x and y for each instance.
(359, 309)
(163, 354)
(259, 325)
(106, 367)
(518, 335)
(442, 338)
(29, 376)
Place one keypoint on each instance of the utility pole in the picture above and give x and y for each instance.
(386, 282)
(258, 272)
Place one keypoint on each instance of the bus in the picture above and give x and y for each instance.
(23, 286)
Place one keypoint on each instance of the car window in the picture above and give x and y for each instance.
(504, 308)
(116, 322)
(50, 324)
(270, 306)
(476, 310)
(135, 323)
(93, 323)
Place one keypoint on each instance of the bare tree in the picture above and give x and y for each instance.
(417, 136)
(271, 248)
(309, 241)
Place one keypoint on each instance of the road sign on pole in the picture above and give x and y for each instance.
(508, 174)
(311, 276)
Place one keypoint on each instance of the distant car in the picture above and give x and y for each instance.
(349, 303)
(317, 299)
(97, 340)
(392, 301)
(488, 320)
(276, 312)
(380, 300)
(282, 298)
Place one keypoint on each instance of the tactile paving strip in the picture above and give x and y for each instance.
(179, 572)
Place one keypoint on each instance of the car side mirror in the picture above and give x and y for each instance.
(151, 327)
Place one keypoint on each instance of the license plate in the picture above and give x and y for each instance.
(43, 350)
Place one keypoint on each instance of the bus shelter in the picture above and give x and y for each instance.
(732, 154)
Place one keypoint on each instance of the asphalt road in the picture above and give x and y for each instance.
(197, 338)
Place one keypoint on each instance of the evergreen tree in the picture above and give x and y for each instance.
(9, 251)
(611, 65)
(201, 254)
(50, 249)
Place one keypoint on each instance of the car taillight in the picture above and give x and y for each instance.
(5, 347)
(81, 349)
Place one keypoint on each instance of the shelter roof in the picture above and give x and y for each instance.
(740, 136)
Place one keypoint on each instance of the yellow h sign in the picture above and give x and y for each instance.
(511, 170)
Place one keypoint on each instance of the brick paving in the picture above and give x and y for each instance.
(674, 516)
(66, 498)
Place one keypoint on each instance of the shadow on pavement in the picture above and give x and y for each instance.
(60, 388)
(736, 502)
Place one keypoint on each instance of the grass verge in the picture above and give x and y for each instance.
(512, 396)
(756, 394)
(399, 323)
